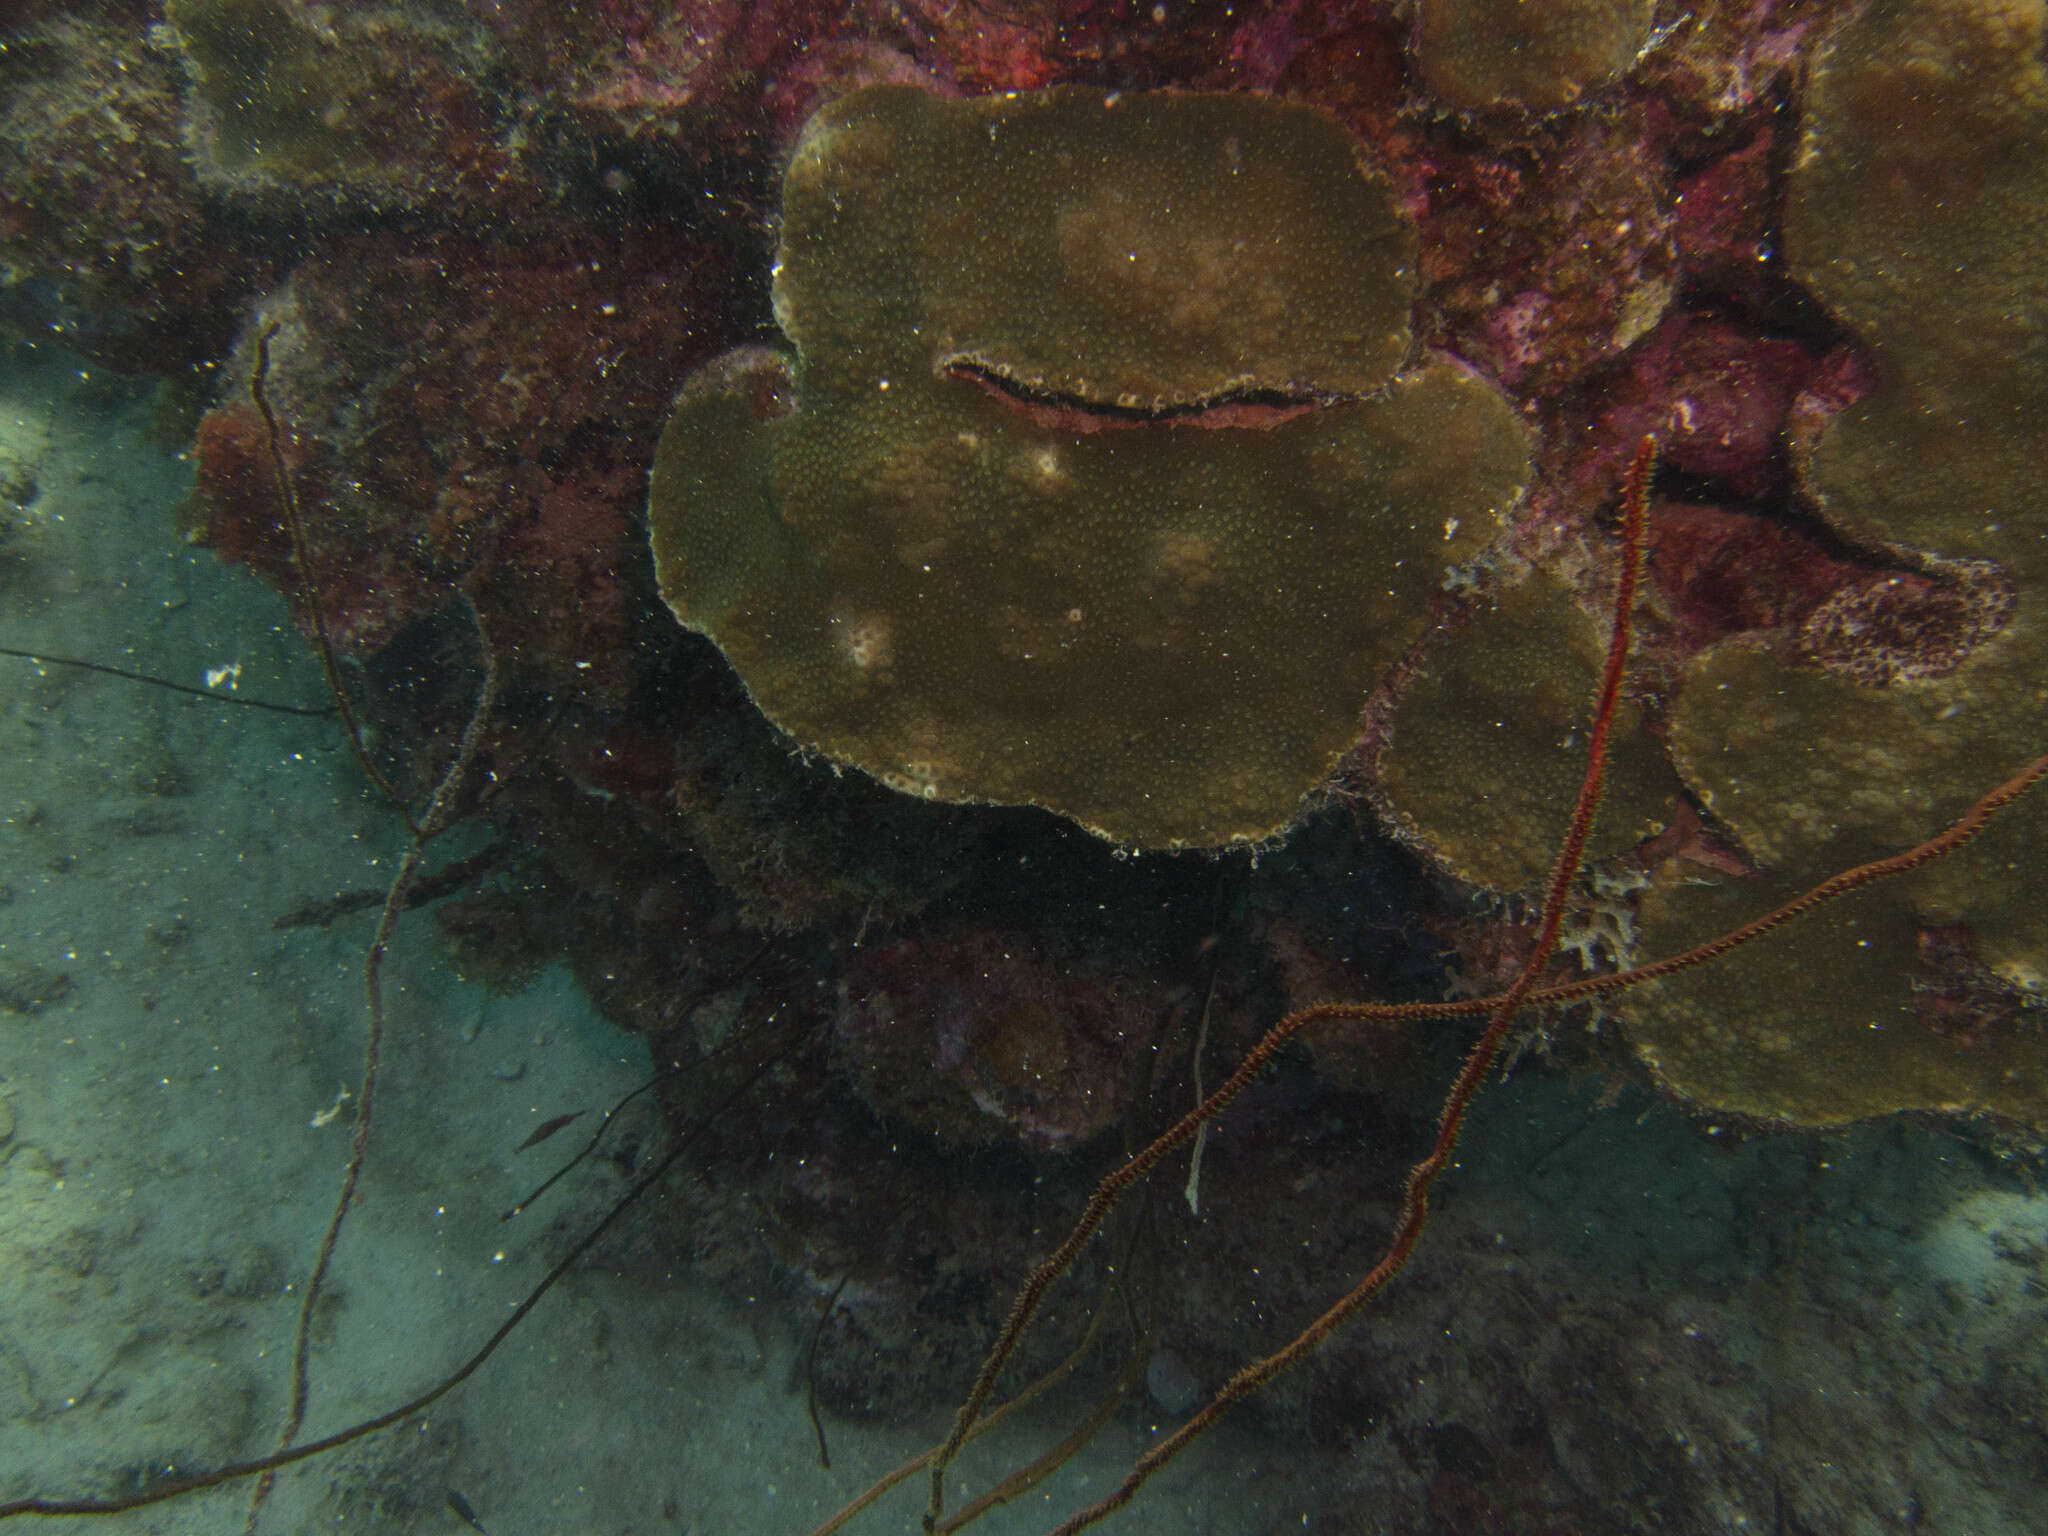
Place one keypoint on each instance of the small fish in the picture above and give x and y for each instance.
(461, 1507)
(548, 1128)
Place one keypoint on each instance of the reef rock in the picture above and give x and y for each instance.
(374, 105)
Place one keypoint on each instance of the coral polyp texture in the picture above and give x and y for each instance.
(1508, 699)
(1918, 208)
(1917, 211)
(1096, 481)
(1479, 54)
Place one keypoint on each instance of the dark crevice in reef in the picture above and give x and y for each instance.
(1226, 408)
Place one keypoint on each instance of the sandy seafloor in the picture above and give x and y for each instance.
(163, 1183)
(163, 1189)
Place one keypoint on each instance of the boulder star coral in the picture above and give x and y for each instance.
(1096, 481)
(1915, 213)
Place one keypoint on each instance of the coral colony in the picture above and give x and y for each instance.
(1034, 540)
(985, 557)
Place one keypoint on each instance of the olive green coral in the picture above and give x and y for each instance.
(1142, 250)
(1486, 745)
(1540, 54)
(1918, 211)
(1827, 1021)
(1094, 483)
